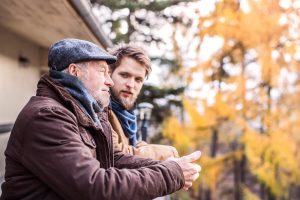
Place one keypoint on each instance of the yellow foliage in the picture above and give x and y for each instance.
(255, 145)
(272, 159)
(198, 120)
(248, 195)
(213, 167)
(223, 110)
(174, 131)
(264, 116)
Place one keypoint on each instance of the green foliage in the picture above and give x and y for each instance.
(160, 111)
(156, 5)
(141, 16)
(142, 20)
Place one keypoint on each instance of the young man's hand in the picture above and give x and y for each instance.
(190, 170)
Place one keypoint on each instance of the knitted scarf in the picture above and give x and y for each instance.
(127, 119)
(77, 90)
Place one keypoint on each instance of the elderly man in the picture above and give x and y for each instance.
(61, 144)
(128, 74)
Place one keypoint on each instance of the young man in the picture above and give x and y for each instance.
(128, 74)
(61, 148)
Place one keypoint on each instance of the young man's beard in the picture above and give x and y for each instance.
(127, 103)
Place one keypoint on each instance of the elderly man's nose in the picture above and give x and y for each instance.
(108, 81)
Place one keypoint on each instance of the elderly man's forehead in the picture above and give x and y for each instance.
(101, 63)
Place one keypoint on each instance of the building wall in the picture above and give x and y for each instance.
(20, 62)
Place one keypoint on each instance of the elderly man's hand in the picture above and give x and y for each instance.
(189, 169)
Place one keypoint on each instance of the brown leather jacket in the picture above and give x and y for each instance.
(56, 152)
(142, 149)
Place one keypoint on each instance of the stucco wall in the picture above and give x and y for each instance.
(17, 80)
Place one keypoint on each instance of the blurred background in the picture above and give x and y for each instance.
(225, 80)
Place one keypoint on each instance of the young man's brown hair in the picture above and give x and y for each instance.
(131, 51)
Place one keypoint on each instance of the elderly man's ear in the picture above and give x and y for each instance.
(73, 70)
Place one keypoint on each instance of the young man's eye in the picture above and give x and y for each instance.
(124, 75)
(139, 80)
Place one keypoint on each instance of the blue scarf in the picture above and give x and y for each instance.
(127, 119)
(77, 90)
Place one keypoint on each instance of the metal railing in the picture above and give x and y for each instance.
(4, 128)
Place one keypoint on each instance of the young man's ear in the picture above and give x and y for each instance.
(73, 70)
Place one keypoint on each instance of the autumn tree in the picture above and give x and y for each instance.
(253, 79)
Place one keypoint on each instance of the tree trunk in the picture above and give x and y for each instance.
(214, 143)
(262, 193)
(213, 153)
(243, 165)
(207, 195)
(270, 195)
(237, 179)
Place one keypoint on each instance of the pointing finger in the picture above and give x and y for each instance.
(192, 157)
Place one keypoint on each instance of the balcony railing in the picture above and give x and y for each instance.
(4, 128)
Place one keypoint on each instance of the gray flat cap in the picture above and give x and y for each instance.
(64, 52)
